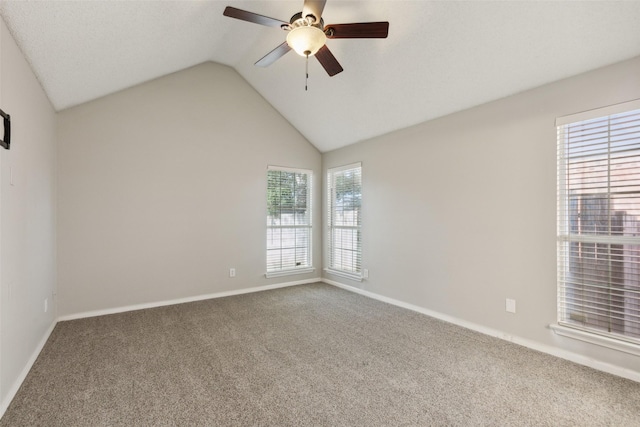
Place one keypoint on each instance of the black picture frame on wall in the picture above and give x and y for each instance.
(6, 139)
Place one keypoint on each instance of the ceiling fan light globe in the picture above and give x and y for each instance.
(306, 40)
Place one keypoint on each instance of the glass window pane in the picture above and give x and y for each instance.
(288, 219)
(345, 195)
(599, 211)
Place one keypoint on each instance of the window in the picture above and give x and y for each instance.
(599, 222)
(288, 221)
(344, 220)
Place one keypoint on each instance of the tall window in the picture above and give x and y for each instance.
(599, 222)
(344, 220)
(288, 221)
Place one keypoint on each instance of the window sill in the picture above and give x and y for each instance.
(351, 276)
(281, 273)
(596, 339)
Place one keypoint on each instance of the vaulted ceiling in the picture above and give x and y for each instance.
(440, 56)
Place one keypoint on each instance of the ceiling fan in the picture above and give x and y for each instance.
(307, 33)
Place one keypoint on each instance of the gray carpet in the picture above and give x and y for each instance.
(311, 355)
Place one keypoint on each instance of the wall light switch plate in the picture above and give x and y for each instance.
(510, 305)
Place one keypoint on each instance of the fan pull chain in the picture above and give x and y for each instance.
(306, 80)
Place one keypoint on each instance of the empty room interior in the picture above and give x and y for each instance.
(319, 213)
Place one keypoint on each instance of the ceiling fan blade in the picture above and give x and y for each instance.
(313, 7)
(328, 61)
(232, 12)
(274, 55)
(362, 30)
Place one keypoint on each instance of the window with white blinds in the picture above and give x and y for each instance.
(599, 222)
(344, 220)
(288, 221)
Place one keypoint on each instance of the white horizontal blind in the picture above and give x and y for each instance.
(288, 219)
(599, 225)
(344, 219)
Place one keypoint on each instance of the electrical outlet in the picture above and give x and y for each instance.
(365, 273)
(510, 305)
(232, 272)
(46, 305)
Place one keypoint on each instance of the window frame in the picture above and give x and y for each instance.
(568, 198)
(302, 269)
(354, 273)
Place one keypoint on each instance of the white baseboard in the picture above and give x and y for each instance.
(183, 300)
(18, 382)
(554, 351)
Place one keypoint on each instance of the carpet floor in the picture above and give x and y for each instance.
(309, 355)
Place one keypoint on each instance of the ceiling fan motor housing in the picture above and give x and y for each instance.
(297, 20)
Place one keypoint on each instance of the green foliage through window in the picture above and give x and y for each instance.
(286, 192)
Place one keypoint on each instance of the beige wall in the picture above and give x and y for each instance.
(162, 189)
(27, 218)
(459, 212)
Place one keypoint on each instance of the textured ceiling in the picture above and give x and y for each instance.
(440, 56)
